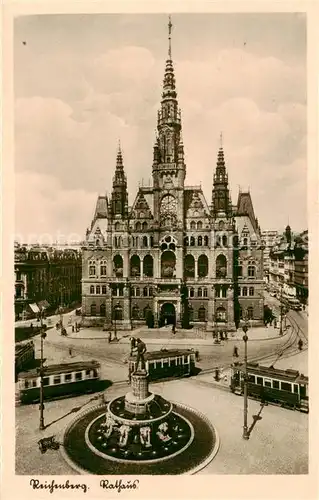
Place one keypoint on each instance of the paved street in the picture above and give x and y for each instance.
(278, 443)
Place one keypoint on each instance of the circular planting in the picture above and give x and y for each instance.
(181, 437)
(191, 448)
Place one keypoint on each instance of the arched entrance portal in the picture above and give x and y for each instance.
(168, 314)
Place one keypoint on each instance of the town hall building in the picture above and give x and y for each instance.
(172, 257)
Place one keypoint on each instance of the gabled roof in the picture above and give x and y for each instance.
(101, 210)
(245, 208)
(195, 204)
(143, 203)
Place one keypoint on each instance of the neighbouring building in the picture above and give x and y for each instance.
(45, 278)
(288, 269)
(172, 257)
(268, 239)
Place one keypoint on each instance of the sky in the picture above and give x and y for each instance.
(82, 82)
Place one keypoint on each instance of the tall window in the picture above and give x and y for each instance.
(93, 309)
(186, 243)
(104, 289)
(251, 291)
(138, 226)
(199, 241)
(202, 266)
(145, 291)
(202, 314)
(92, 270)
(148, 266)
(103, 268)
(91, 289)
(199, 292)
(193, 225)
(244, 291)
(192, 241)
(98, 289)
(189, 266)
(144, 226)
(102, 309)
(191, 292)
(205, 292)
(250, 312)
(239, 271)
(206, 241)
(199, 225)
(135, 312)
(145, 242)
(251, 271)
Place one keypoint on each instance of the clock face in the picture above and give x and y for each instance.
(168, 204)
(168, 209)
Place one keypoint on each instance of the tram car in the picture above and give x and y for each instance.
(288, 388)
(166, 363)
(59, 380)
(24, 356)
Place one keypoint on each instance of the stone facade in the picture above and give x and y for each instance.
(172, 257)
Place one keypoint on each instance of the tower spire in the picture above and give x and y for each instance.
(221, 140)
(170, 25)
(119, 193)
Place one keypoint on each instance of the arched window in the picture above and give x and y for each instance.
(202, 314)
(206, 241)
(117, 226)
(251, 271)
(250, 312)
(221, 314)
(224, 292)
(135, 266)
(103, 270)
(192, 241)
(93, 309)
(191, 292)
(104, 289)
(224, 240)
(193, 225)
(138, 226)
(245, 242)
(190, 313)
(239, 271)
(148, 266)
(91, 289)
(145, 291)
(102, 309)
(168, 264)
(251, 291)
(205, 292)
(221, 266)
(189, 266)
(133, 292)
(98, 289)
(117, 312)
(199, 225)
(186, 242)
(150, 291)
(92, 270)
(146, 311)
(199, 241)
(144, 226)
(118, 266)
(199, 292)
(144, 242)
(152, 241)
(137, 292)
(135, 312)
(202, 266)
(244, 290)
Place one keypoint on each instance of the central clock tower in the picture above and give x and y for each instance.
(168, 161)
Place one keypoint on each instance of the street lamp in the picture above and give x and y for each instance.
(41, 405)
(245, 428)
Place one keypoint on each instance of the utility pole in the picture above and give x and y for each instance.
(245, 428)
(41, 405)
(281, 311)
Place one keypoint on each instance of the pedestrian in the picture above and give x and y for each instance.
(235, 354)
(217, 374)
(226, 336)
(70, 352)
(173, 329)
(275, 322)
(72, 328)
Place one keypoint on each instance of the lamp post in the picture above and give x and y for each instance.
(61, 307)
(41, 405)
(281, 311)
(245, 428)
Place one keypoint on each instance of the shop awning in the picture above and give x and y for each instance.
(34, 308)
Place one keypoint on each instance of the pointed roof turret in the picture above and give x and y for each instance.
(119, 194)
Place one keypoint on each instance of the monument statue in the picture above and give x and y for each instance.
(141, 350)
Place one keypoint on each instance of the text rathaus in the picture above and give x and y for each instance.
(171, 257)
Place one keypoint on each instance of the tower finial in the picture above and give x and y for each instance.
(221, 140)
(119, 145)
(169, 37)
